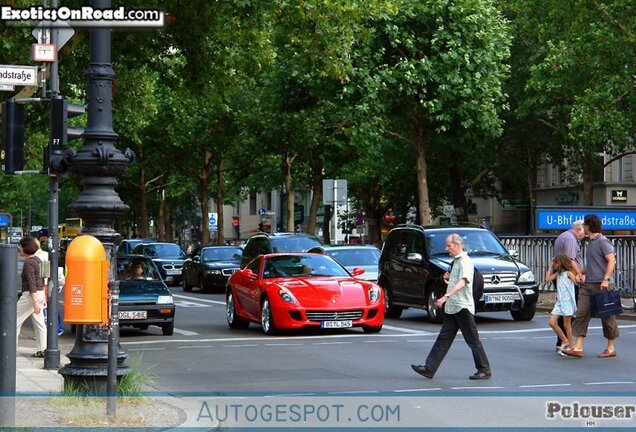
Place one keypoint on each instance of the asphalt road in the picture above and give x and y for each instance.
(205, 355)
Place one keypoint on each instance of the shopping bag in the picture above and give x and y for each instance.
(606, 304)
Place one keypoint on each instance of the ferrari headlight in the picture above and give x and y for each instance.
(287, 296)
(527, 277)
(164, 299)
(374, 294)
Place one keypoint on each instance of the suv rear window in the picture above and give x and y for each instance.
(293, 244)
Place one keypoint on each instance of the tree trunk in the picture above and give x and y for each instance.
(220, 193)
(289, 197)
(458, 187)
(316, 198)
(424, 209)
(204, 187)
(164, 218)
(143, 230)
(326, 223)
(588, 180)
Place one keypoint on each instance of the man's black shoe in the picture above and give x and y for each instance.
(480, 376)
(423, 371)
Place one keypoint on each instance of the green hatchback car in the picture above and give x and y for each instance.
(144, 298)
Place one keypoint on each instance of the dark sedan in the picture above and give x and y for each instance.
(144, 299)
(169, 258)
(211, 267)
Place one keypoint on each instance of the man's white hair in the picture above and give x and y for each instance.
(457, 239)
(577, 224)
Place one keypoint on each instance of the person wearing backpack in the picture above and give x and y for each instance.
(459, 308)
(32, 300)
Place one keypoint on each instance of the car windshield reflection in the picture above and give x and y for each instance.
(356, 257)
(221, 254)
(301, 266)
(138, 268)
(167, 250)
(475, 243)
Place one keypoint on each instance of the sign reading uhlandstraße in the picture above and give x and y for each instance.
(19, 75)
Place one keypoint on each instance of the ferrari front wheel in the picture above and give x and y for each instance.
(267, 320)
(233, 319)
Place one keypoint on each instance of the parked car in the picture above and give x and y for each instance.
(266, 243)
(414, 258)
(144, 299)
(127, 245)
(297, 290)
(351, 256)
(169, 258)
(211, 267)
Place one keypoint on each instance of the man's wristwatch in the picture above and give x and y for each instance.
(607, 278)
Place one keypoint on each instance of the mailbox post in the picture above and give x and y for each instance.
(86, 300)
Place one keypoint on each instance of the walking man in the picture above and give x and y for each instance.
(459, 308)
(569, 243)
(599, 266)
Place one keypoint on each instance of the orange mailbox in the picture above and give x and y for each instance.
(86, 285)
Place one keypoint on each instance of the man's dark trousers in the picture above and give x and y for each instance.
(464, 321)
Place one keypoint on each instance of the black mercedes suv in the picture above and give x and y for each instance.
(265, 243)
(414, 259)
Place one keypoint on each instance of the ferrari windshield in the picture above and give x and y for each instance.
(302, 265)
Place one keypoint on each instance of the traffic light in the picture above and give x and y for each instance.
(57, 152)
(12, 151)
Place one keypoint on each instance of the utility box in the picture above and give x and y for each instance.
(86, 285)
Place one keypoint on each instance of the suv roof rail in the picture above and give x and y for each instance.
(442, 225)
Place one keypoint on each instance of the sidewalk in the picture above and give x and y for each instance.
(56, 411)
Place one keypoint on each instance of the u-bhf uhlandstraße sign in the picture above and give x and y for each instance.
(19, 75)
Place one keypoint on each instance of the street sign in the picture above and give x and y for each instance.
(4, 87)
(212, 222)
(261, 212)
(334, 191)
(19, 75)
(64, 32)
(44, 53)
(5, 220)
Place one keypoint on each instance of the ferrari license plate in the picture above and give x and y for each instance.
(337, 324)
(133, 315)
(499, 298)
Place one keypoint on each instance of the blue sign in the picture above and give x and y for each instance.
(5, 220)
(556, 218)
(261, 212)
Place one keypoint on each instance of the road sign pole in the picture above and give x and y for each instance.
(52, 352)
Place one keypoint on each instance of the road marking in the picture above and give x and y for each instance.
(406, 330)
(185, 332)
(198, 346)
(609, 382)
(283, 344)
(331, 343)
(380, 341)
(147, 349)
(354, 392)
(199, 299)
(241, 346)
(544, 385)
(290, 395)
(189, 304)
(417, 390)
(477, 388)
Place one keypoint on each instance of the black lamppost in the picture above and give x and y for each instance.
(99, 205)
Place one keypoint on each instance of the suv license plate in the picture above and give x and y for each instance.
(173, 272)
(133, 315)
(499, 298)
(336, 324)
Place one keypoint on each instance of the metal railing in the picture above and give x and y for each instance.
(536, 252)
